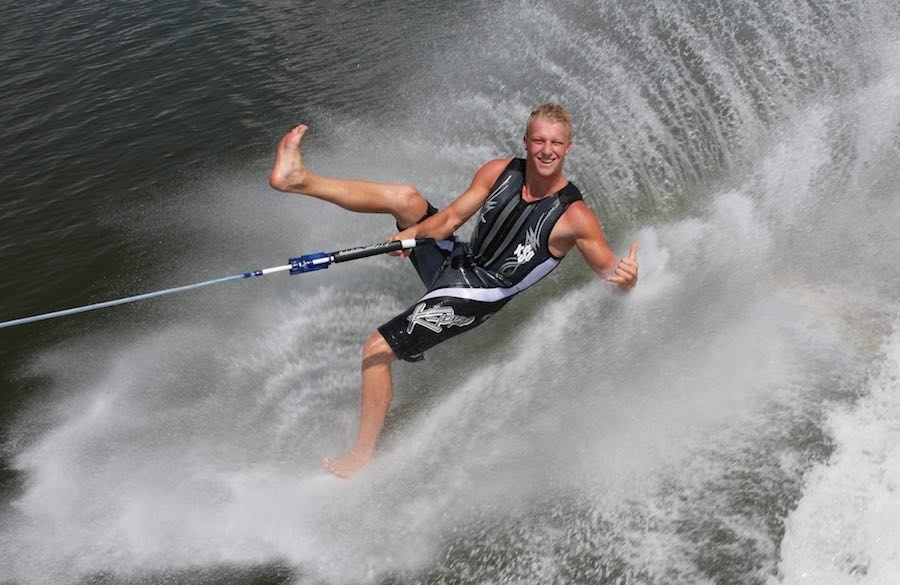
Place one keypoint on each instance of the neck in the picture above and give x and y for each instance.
(538, 187)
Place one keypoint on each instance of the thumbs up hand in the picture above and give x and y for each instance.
(626, 272)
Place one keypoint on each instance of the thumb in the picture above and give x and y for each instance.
(632, 253)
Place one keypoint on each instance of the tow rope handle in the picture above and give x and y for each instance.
(321, 260)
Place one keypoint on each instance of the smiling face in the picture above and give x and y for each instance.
(546, 145)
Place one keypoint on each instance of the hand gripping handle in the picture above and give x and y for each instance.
(382, 248)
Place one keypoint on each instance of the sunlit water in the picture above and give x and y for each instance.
(735, 419)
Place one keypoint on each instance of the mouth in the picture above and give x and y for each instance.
(545, 161)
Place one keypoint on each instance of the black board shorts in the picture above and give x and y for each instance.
(429, 322)
(432, 320)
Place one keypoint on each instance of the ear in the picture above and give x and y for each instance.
(569, 147)
(525, 141)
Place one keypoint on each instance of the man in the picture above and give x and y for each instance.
(530, 217)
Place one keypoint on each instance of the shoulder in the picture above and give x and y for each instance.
(488, 174)
(580, 227)
(495, 167)
(577, 226)
(579, 221)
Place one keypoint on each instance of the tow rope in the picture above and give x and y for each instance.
(306, 263)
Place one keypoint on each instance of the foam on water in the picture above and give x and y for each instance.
(845, 527)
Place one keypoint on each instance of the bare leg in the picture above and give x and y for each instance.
(289, 174)
(407, 206)
(377, 391)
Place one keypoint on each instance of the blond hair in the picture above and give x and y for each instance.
(553, 113)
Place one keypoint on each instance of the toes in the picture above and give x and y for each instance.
(334, 467)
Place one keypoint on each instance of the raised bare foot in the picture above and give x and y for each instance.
(289, 174)
(346, 466)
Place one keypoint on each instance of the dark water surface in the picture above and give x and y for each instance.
(109, 109)
(734, 420)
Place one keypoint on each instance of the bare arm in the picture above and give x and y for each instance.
(445, 222)
(579, 227)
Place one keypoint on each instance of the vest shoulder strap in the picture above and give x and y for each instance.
(516, 164)
(570, 194)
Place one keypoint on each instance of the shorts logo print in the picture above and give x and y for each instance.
(436, 318)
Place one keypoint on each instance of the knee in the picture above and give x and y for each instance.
(408, 195)
(410, 206)
(377, 351)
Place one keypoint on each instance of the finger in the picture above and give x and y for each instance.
(627, 265)
(626, 274)
(632, 253)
